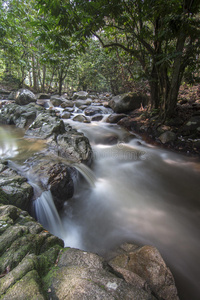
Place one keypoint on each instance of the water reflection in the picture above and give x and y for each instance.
(14, 145)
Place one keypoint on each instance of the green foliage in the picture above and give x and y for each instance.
(161, 35)
(55, 43)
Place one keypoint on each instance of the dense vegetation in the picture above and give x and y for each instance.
(114, 45)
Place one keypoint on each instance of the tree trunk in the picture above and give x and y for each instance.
(177, 74)
(43, 78)
(154, 88)
(35, 79)
(30, 78)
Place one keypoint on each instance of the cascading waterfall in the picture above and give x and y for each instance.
(46, 212)
(47, 215)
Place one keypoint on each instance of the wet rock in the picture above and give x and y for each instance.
(81, 118)
(81, 108)
(66, 115)
(107, 139)
(94, 110)
(14, 188)
(67, 104)
(68, 109)
(24, 96)
(150, 269)
(80, 103)
(56, 100)
(50, 174)
(80, 95)
(63, 140)
(21, 116)
(97, 118)
(74, 146)
(167, 137)
(114, 118)
(45, 125)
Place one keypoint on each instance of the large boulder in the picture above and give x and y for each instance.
(145, 266)
(24, 96)
(57, 100)
(67, 104)
(127, 102)
(84, 275)
(94, 110)
(73, 146)
(81, 119)
(80, 95)
(47, 173)
(14, 189)
(80, 103)
(63, 140)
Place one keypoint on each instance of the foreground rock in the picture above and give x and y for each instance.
(34, 265)
(14, 188)
(145, 266)
(84, 275)
(27, 253)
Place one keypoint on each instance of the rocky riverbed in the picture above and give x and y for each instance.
(34, 264)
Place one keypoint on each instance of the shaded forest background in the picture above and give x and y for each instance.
(105, 45)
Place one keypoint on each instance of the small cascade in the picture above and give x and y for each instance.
(47, 214)
(87, 173)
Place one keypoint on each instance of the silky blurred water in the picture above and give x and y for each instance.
(144, 195)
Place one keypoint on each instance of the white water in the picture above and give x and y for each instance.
(141, 194)
(48, 216)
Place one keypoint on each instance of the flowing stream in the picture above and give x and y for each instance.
(136, 193)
